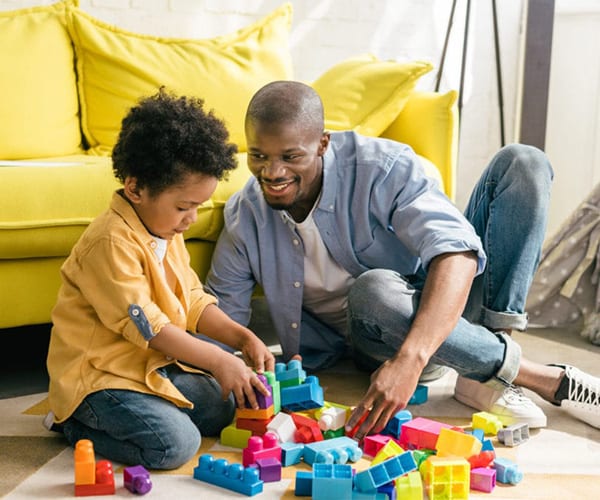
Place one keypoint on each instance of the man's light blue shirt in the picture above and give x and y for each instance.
(377, 209)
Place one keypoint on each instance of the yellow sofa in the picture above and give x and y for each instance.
(67, 81)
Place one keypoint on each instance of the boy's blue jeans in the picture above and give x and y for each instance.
(141, 429)
(508, 209)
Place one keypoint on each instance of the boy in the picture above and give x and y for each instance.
(123, 369)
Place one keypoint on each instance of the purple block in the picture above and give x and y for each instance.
(263, 401)
(137, 479)
(483, 479)
(269, 469)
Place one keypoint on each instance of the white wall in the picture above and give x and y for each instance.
(327, 31)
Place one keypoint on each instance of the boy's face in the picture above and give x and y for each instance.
(172, 211)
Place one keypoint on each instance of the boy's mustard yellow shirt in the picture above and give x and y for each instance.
(95, 344)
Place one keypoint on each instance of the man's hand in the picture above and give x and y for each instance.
(392, 386)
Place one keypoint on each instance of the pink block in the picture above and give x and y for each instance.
(483, 479)
(261, 447)
(421, 433)
(372, 444)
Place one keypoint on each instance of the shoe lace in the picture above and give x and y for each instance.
(515, 393)
(583, 388)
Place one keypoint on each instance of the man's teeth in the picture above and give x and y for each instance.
(279, 187)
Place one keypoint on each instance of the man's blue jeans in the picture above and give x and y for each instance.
(141, 429)
(508, 209)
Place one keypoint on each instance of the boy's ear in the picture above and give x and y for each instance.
(324, 143)
(131, 189)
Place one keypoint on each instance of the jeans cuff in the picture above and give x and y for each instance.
(503, 321)
(510, 366)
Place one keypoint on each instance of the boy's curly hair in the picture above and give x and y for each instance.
(165, 137)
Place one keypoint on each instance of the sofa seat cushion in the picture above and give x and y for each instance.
(47, 204)
(38, 108)
(116, 68)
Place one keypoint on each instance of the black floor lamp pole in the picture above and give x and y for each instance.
(464, 58)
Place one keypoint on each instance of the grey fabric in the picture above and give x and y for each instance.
(565, 288)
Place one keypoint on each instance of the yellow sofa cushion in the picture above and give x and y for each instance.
(366, 94)
(38, 108)
(116, 68)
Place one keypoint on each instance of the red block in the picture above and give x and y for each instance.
(105, 482)
(307, 429)
(257, 426)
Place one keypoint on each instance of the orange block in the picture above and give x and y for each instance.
(85, 462)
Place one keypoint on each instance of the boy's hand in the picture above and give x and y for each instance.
(234, 376)
(257, 355)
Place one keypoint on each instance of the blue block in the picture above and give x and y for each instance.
(372, 495)
(304, 396)
(389, 490)
(234, 477)
(507, 471)
(419, 396)
(487, 445)
(291, 453)
(290, 374)
(378, 475)
(394, 425)
(332, 481)
(337, 450)
(304, 481)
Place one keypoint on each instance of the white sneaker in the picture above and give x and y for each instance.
(583, 398)
(511, 406)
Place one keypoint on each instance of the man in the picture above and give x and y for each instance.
(358, 251)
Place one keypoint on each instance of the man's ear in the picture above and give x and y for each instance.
(131, 189)
(324, 143)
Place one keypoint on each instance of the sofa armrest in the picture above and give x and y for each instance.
(429, 124)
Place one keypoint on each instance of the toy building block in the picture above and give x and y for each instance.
(421, 455)
(332, 481)
(482, 459)
(483, 479)
(446, 477)
(283, 426)
(421, 433)
(255, 425)
(489, 423)
(514, 435)
(478, 433)
(307, 395)
(290, 374)
(275, 390)
(458, 444)
(104, 483)
(137, 479)
(91, 477)
(332, 451)
(334, 434)
(391, 449)
(303, 486)
(507, 471)
(409, 486)
(307, 429)
(234, 437)
(269, 469)
(394, 425)
(487, 445)
(85, 462)
(261, 447)
(332, 418)
(234, 477)
(260, 414)
(291, 453)
(371, 495)
(419, 396)
(373, 443)
(377, 475)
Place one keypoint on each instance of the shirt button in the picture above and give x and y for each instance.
(296, 242)
(135, 312)
(153, 244)
(296, 284)
(294, 325)
(169, 358)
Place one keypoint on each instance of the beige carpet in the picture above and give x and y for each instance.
(561, 461)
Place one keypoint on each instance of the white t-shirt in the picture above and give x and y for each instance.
(326, 283)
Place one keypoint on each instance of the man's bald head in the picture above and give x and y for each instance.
(286, 102)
